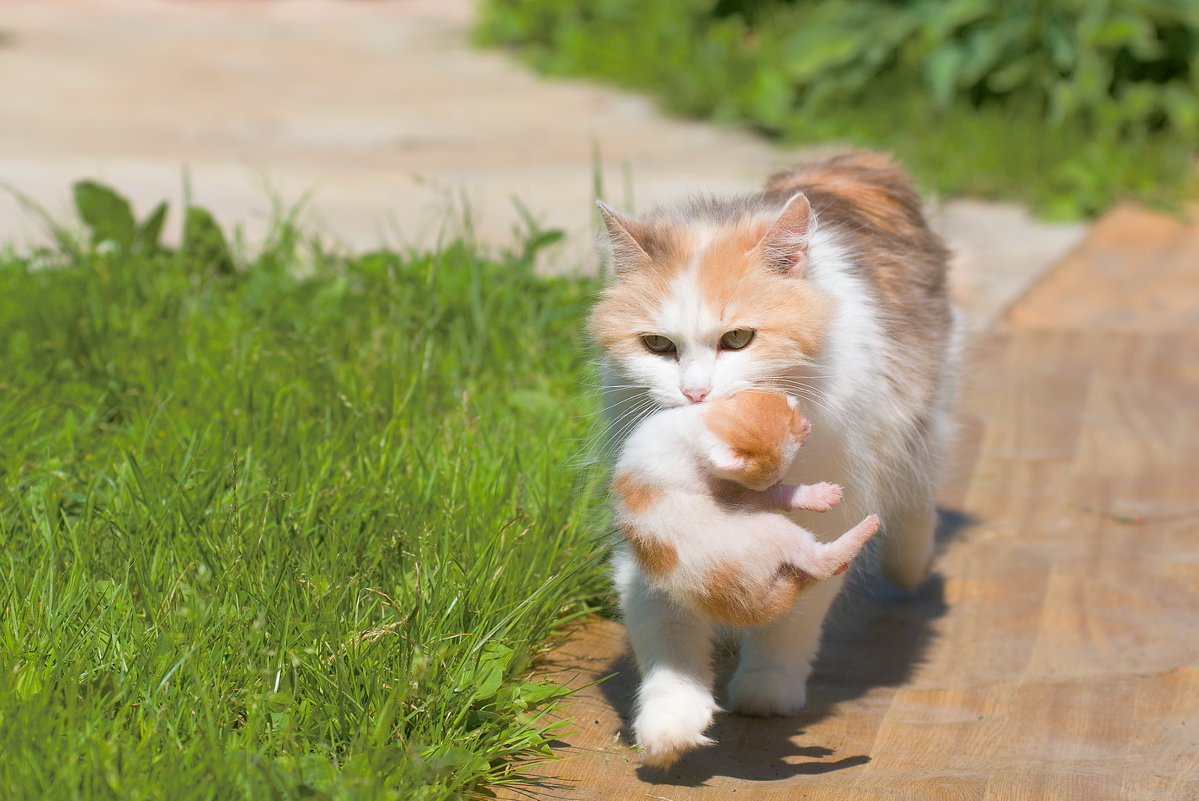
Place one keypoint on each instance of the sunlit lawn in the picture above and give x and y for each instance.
(286, 524)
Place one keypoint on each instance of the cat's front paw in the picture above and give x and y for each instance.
(767, 692)
(817, 497)
(669, 725)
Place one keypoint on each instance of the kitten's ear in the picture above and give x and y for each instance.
(725, 460)
(623, 244)
(785, 246)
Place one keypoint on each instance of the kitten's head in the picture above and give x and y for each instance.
(758, 435)
(710, 300)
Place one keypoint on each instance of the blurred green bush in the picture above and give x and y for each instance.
(1068, 104)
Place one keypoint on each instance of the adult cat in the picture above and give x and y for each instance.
(827, 285)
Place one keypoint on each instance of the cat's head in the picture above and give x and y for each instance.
(710, 300)
(757, 436)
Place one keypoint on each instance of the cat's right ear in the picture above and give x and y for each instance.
(784, 247)
(622, 245)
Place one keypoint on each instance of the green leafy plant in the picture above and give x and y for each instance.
(1108, 90)
(285, 524)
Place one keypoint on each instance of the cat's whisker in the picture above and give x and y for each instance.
(625, 414)
(809, 393)
(599, 386)
(599, 446)
(633, 398)
(801, 369)
(816, 398)
(625, 405)
(628, 421)
(626, 399)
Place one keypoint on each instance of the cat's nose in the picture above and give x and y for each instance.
(696, 394)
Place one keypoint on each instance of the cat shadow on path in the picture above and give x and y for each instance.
(875, 637)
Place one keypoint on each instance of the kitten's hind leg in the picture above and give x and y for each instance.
(831, 558)
(673, 647)
(907, 544)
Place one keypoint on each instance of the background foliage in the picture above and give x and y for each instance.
(282, 525)
(1069, 104)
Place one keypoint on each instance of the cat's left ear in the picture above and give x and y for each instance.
(784, 247)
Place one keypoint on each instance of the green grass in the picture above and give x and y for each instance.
(289, 524)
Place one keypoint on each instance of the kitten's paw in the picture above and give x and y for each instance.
(818, 497)
(669, 726)
(767, 692)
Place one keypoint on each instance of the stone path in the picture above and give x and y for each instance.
(386, 114)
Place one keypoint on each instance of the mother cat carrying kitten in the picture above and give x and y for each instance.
(829, 286)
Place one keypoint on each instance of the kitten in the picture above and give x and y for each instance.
(698, 502)
(829, 286)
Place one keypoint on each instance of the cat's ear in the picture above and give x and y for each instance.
(624, 243)
(784, 247)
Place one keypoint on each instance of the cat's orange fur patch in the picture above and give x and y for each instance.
(635, 495)
(658, 240)
(799, 578)
(627, 307)
(871, 196)
(727, 597)
(655, 556)
(872, 183)
(788, 313)
(755, 424)
(725, 263)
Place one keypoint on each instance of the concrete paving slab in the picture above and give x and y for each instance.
(384, 116)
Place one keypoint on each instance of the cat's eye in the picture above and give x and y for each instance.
(737, 339)
(658, 344)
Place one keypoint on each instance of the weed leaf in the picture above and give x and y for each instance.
(107, 214)
(149, 232)
(204, 242)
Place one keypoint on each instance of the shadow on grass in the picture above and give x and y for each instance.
(875, 637)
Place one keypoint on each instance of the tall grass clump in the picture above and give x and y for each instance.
(1067, 104)
(281, 525)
